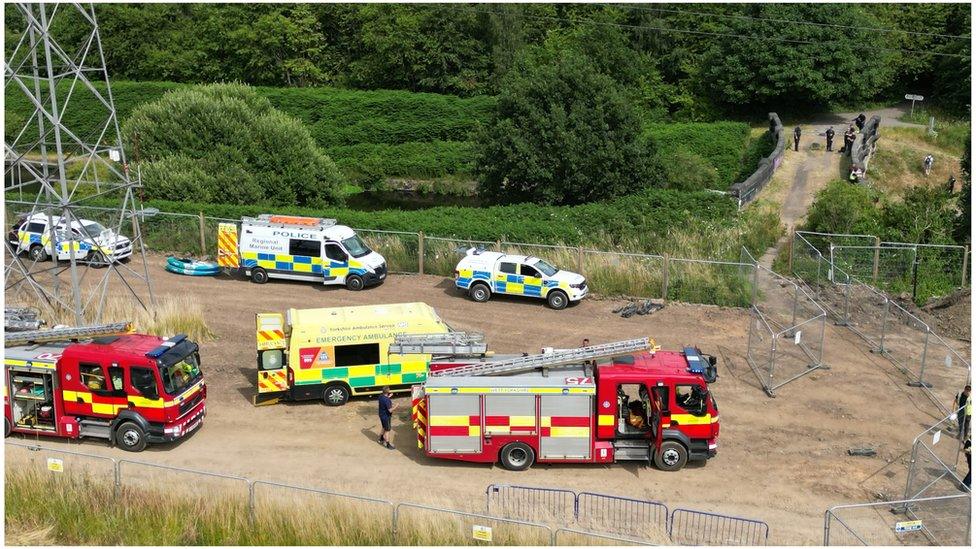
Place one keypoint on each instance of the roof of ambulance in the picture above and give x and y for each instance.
(128, 344)
(409, 312)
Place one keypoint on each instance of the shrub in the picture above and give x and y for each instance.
(366, 163)
(844, 208)
(687, 171)
(720, 143)
(227, 143)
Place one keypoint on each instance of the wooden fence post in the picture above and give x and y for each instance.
(789, 259)
(203, 235)
(664, 281)
(877, 257)
(965, 265)
(579, 259)
(420, 252)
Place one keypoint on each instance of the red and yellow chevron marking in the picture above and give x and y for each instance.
(569, 427)
(503, 425)
(420, 422)
(227, 255)
(270, 339)
(272, 382)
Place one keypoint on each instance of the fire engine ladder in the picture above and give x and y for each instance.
(451, 343)
(559, 357)
(64, 334)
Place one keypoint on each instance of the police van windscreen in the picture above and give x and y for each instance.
(546, 268)
(180, 368)
(355, 246)
(93, 228)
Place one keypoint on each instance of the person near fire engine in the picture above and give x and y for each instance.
(386, 418)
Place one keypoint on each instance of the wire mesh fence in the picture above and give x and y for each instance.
(935, 467)
(549, 505)
(414, 524)
(943, 520)
(919, 269)
(690, 527)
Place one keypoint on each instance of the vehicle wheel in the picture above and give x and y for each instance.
(480, 293)
(37, 253)
(336, 394)
(673, 456)
(557, 299)
(130, 437)
(6, 427)
(98, 260)
(354, 282)
(517, 456)
(259, 275)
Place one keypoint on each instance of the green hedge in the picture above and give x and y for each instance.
(721, 144)
(367, 163)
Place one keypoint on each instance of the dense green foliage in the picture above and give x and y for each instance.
(562, 133)
(690, 61)
(367, 164)
(226, 143)
(720, 145)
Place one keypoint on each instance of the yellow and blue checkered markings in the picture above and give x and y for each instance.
(28, 239)
(467, 276)
(301, 264)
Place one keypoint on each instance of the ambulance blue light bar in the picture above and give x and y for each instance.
(166, 346)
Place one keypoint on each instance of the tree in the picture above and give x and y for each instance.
(562, 133)
(965, 217)
(225, 143)
(844, 208)
(282, 47)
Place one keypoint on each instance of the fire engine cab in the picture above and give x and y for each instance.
(102, 382)
(623, 401)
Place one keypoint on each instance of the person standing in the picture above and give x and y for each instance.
(830, 138)
(964, 411)
(927, 164)
(796, 138)
(968, 448)
(849, 136)
(860, 122)
(386, 419)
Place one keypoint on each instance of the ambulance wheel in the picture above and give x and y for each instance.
(673, 456)
(354, 282)
(517, 456)
(259, 275)
(335, 394)
(480, 293)
(37, 253)
(130, 437)
(557, 300)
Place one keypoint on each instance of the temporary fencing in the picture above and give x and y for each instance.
(189, 483)
(58, 461)
(934, 467)
(899, 267)
(633, 518)
(889, 329)
(689, 527)
(943, 520)
(412, 522)
(786, 329)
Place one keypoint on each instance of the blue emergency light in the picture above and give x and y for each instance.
(695, 363)
(167, 345)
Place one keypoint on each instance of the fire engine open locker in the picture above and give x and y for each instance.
(623, 401)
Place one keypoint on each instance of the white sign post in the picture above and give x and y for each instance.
(913, 99)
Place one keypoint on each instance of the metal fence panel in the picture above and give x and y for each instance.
(338, 517)
(189, 483)
(635, 518)
(689, 527)
(441, 255)
(59, 462)
(401, 250)
(547, 505)
(570, 536)
(618, 273)
(708, 281)
(942, 521)
(415, 524)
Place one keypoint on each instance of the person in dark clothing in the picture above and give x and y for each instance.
(386, 418)
(830, 137)
(796, 138)
(964, 411)
(849, 136)
(859, 121)
(968, 448)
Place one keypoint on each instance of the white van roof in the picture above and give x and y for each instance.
(289, 222)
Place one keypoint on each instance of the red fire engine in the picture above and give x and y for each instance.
(623, 401)
(102, 382)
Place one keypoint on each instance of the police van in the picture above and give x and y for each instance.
(92, 242)
(484, 273)
(299, 248)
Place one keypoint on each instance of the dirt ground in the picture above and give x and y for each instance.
(781, 460)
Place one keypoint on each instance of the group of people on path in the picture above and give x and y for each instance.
(849, 136)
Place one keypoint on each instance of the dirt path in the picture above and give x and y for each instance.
(780, 460)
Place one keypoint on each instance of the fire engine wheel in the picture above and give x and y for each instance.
(354, 282)
(517, 456)
(557, 300)
(480, 293)
(673, 456)
(130, 437)
(259, 275)
(6, 427)
(37, 253)
(335, 394)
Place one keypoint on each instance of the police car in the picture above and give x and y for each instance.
(299, 248)
(92, 242)
(484, 273)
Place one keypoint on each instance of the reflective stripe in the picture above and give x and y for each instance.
(524, 390)
(689, 419)
(605, 419)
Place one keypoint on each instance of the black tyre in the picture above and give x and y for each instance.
(480, 292)
(98, 260)
(37, 253)
(517, 456)
(335, 394)
(259, 275)
(557, 299)
(6, 427)
(130, 437)
(354, 283)
(672, 457)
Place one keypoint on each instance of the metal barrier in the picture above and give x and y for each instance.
(935, 460)
(472, 526)
(943, 520)
(153, 475)
(67, 461)
(583, 537)
(530, 503)
(621, 515)
(689, 527)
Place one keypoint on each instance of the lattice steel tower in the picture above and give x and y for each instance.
(65, 162)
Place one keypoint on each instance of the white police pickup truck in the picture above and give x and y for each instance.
(484, 273)
(92, 242)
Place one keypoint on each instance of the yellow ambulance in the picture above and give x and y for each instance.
(332, 353)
